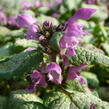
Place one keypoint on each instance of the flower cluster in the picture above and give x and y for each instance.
(27, 21)
(74, 31)
(52, 71)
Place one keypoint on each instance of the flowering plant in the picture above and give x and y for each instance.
(51, 64)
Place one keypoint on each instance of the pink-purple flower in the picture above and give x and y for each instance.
(3, 18)
(54, 73)
(26, 4)
(90, 1)
(38, 79)
(65, 61)
(74, 72)
(38, 4)
(67, 45)
(82, 80)
(74, 31)
(32, 32)
(29, 49)
(25, 20)
(12, 21)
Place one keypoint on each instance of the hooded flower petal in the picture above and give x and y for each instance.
(25, 20)
(67, 45)
(65, 61)
(12, 21)
(75, 30)
(63, 43)
(38, 79)
(3, 19)
(71, 42)
(32, 32)
(71, 52)
(29, 49)
(82, 80)
(74, 72)
(82, 13)
(71, 75)
(54, 73)
(32, 87)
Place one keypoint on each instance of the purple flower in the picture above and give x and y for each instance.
(74, 30)
(93, 106)
(82, 13)
(81, 80)
(54, 73)
(12, 21)
(74, 72)
(58, 1)
(3, 19)
(25, 20)
(38, 79)
(65, 61)
(55, 14)
(26, 5)
(32, 32)
(90, 1)
(67, 45)
(38, 4)
(29, 49)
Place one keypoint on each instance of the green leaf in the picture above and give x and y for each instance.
(86, 56)
(55, 100)
(6, 50)
(43, 10)
(16, 33)
(54, 41)
(26, 43)
(105, 47)
(75, 100)
(103, 93)
(86, 99)
(29, 12)
(3, 102)
(21, 99)
(102, 72)
(71, 4)
(17, 65)
(3, 32)
(92, 79)
(10, 7)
